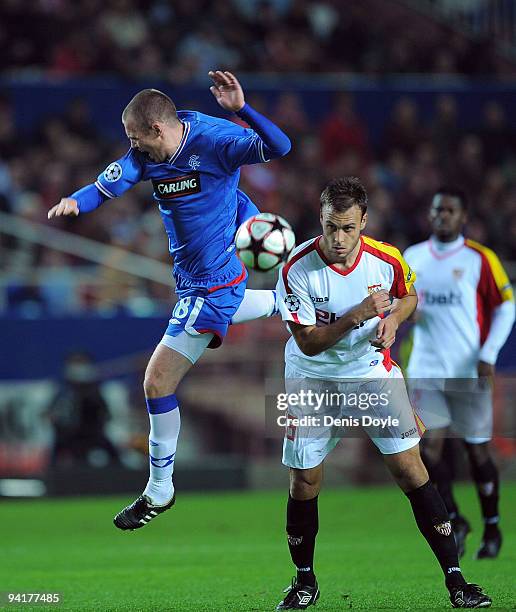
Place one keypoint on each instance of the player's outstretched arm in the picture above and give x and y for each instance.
(116, 179)
(66, 207)
(230, 96)
(313, 340)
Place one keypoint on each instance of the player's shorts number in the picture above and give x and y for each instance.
(180, 310)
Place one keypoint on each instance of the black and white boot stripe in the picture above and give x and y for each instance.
(139, 513)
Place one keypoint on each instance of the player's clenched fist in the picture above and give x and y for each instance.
(386, 333)
(376, 304)
(67, 206)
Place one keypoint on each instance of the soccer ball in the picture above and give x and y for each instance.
(264, 241)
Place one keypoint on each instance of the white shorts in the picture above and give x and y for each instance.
(191, 347)
(388, 418)
(465, 406)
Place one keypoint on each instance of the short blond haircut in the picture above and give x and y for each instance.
(149, 106)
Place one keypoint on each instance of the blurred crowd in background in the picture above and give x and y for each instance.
(422, 145)
(178, 42)
(401, 171)
(182, 40)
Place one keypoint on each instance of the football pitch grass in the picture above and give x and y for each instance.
(229, 552)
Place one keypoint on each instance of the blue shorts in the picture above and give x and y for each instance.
(207, 304)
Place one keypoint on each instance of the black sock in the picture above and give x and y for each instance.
(487, 483)
(434, 523)
(441, 476)
(302, 527)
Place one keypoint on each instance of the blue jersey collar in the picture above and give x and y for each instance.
(182, 142)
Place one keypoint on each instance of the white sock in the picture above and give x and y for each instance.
(257, 304)
(164, 432)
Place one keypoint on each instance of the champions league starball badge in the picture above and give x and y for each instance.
(292, 302)
(113, 172)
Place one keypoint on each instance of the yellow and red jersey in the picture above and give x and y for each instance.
(460, 286)
(312, 291)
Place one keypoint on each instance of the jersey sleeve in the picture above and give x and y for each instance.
(494, 285)
(493, 289)
(237, 146)
(294, 299)
(120, 175)
(404, 275)
(502, 321)
(88, 198)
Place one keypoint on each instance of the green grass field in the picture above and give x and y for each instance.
(228, 552)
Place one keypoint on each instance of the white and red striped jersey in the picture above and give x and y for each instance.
(312, 291)
(460, 287)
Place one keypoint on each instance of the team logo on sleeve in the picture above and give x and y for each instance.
(113, 172)
(292, 302)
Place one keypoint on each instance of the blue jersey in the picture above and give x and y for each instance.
(196, 190)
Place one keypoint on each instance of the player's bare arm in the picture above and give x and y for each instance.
(66, 207)
(227, 90)
(387, 328)
(313, 340)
